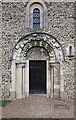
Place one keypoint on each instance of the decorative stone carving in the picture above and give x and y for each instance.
(37, 53)
(14, 27)
(40, 40)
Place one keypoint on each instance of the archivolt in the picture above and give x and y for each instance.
(38, 39)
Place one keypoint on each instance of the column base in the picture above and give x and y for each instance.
(48, 94)
(63, 95)
(27, 94)
(13, 95)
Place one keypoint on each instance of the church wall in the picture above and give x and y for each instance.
(60, 25)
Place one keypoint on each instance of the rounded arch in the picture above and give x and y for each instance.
(43, 12)
(41, 2)
(36, 9)
(50, 47)
(50, 43)
(70, 50)
(38, 44)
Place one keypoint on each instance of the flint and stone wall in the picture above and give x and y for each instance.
(60, 25)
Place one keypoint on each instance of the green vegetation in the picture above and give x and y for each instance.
(3, 103)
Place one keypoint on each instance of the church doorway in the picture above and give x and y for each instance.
(37, 67)
(37, 76)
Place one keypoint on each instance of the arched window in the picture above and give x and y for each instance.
(70, 50)
(36, 15)
(36, 18)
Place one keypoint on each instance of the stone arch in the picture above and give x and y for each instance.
(47, 41)
(39, 53)
(53, 54)
(43, 12)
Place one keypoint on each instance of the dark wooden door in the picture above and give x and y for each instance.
(37, 77)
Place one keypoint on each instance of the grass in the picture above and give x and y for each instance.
(3, 103)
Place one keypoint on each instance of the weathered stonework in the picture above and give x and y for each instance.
(60, 26)
(0, 50)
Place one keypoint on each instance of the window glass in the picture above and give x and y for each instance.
(36, 18)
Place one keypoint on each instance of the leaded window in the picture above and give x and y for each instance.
(36, 18)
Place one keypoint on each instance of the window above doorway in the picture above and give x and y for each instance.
(36, 18)
(36, 15)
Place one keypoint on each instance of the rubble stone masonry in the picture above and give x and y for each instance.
(60, 25)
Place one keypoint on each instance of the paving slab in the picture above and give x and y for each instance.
(37, 106)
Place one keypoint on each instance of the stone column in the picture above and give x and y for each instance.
(56, 81)
(13, 70)
(27, 79)
(19, 81)
(61, 81)
(23, 81)
(48, 80)
(52, 78)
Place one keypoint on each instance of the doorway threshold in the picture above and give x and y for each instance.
(37, 95)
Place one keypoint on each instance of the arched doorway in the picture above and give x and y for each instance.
(37, 66)
(37, 77)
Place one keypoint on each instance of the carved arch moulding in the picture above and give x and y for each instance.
(42, 41)
(39, 46)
